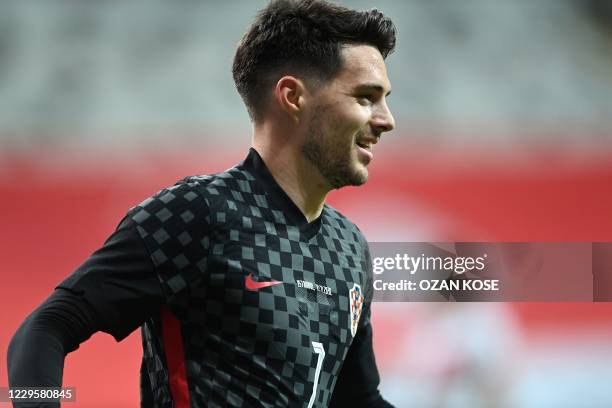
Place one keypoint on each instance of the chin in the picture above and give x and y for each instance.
(360, 174)
(362, 179)
(357, 178)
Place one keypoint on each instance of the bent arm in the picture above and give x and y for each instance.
(37, 350)
(114, 291)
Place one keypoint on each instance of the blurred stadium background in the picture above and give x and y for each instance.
(504, 133)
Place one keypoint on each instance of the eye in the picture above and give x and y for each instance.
(365, 100)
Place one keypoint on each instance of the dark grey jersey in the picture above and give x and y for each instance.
(261, 306)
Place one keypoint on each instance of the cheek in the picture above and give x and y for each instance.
(349, 120)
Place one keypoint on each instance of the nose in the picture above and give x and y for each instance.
(382, 119)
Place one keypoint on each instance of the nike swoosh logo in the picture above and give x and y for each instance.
(253, 285)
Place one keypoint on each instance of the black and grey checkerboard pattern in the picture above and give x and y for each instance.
(249, 348)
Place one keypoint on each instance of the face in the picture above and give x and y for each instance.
(347, 116)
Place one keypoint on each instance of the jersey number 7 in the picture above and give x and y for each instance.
(320, 351)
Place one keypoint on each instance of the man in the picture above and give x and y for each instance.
(249, 289)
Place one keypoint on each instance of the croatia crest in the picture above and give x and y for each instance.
(356, 298)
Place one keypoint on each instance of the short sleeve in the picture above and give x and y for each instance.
(174, 225)
(119, 282)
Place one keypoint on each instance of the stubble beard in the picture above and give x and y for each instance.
(333, 160)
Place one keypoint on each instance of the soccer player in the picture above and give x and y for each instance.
(250, 291)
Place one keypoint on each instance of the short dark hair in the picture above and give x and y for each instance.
(302, 37)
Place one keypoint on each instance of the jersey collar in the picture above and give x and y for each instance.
(275, 193)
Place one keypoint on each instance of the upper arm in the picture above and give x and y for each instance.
(358, 381)
(174, 226)
(156, 254)
(118, 282)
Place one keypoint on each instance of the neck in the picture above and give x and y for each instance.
(297, 176)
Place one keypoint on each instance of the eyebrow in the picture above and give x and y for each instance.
(372, 87)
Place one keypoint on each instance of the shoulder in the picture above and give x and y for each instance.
(354, 243)
(198, 193)
(232, 180)
(348, 228)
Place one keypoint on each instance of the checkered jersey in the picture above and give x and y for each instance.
(265, 301)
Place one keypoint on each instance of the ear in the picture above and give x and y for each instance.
(289, 94)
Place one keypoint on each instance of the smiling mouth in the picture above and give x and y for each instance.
(365, 145)
(364, 151)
